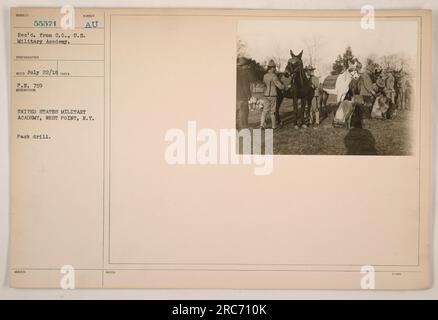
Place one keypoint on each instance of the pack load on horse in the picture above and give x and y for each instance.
(255, 104)
(339, 85)
(380, 108)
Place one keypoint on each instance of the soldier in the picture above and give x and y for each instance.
(385, 85)
(243, 92)
(366, 90)
(389, 84)
(390, 90)
(314, 104)
(401, 84)
(272, 84)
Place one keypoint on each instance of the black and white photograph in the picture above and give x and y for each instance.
(328, 87)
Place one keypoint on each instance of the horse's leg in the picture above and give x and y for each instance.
(309, 105)
(324, 99)
(312, 111)
(304, 111)
(297, 111)
(280, 98)
(308, 109)
(302, 101)
(314, 104)
(402, 99)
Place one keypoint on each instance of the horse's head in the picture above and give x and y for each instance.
(295, 64)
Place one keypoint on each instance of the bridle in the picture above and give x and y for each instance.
(296, 71)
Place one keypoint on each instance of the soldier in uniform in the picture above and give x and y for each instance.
(243, 92)
(385, 87)
(272, 85)
(315, 103)
(366, 90)
(390, 91)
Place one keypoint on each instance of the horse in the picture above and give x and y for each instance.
(300, 88)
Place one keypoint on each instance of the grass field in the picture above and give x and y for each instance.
(376, 137)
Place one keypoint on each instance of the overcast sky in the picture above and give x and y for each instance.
(264, 39)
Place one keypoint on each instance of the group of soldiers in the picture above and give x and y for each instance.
(272, 86)
(389, 84)
(374, 83)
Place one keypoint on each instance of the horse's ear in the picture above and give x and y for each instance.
(291, 53)
(300, 54)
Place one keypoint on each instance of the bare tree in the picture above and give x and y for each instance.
(390, 61)
(397, 62)
(313, 47)
(278, 58)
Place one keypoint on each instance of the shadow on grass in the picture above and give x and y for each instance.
(359, 141)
